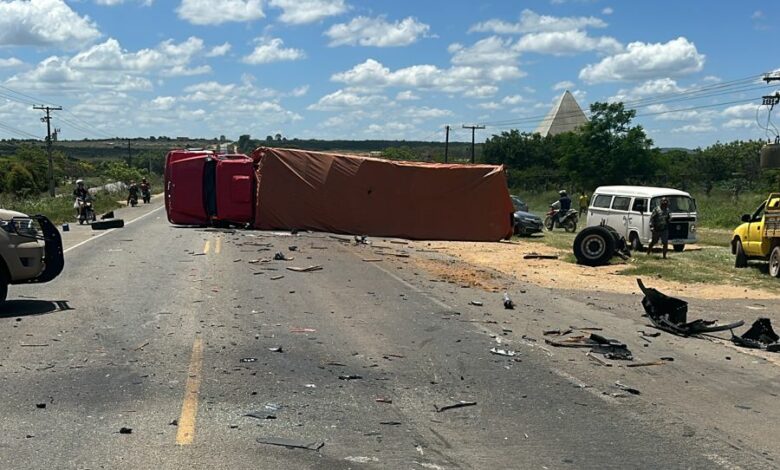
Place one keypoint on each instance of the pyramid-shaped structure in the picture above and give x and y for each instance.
(565, 116)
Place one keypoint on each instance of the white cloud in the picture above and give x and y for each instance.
(425, 112)
(272, 50)
(346, 99)
(163, 102)
(57, 73)
(490, 105)
(44, 23)
(213, 12)
(647, 61)
(376, 32)
(739, 123)
(10, 62)
(406, 96)
(661, 86)
(170, 57)
(532, 22)
(308, 11)
(694, 129)
(299, 91)
(471, 81)
(512, 100)
(491, 50)
(111, 3)
(564, 85)
(219, 51)
(757, 15)
(483, 91)
(567, 42)
(607, 11)
(741, 111)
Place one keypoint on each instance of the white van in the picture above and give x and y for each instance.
(627, 209)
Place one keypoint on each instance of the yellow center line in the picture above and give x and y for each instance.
(218, 247)
(189, 409)
(207, 247)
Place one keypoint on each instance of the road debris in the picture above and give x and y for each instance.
(384, 400)
(628, 389)
(508, 304)
(279, 256)
(476, 303)
(372, 260)
(539, 256)
(249, 359)
(647, 364)
(125, 430)
(305, 270)
(609, 348)
(503, 352)
(350, 377)
(107, 224)
(671, 315)
(759, 336)
(460, 404)
(303, 330)
(292, 248)
(40, 406)
(291, 443)
(390, 423)
(260, 415)
(276, 349)
(276, 278)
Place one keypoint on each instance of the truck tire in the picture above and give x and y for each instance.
(679, 248)
(594, 246)
(740, 260)
(636, 243)
(774, 262)
(108, 224)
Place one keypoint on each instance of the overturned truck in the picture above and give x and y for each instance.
(286, 189)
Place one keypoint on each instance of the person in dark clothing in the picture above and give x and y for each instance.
(564, 204)
(659, 225)
(80, 193)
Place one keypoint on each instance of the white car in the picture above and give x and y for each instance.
(627, 209)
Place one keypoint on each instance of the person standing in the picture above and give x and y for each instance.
(659, 225)
(584, 201)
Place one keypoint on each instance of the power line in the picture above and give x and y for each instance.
(19, 132)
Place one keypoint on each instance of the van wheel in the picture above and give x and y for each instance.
(740, 261)
(774, 262)
(679, 248)
(636, 243)
(594, 246)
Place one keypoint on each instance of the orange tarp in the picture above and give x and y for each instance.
(299, 189)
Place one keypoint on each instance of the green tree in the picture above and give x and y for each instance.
(245, 143)
(20, 181)
(119, 171)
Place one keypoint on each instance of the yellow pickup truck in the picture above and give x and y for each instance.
(758, 238)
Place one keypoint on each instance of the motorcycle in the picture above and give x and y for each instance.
(86, 212)
(132, 200)
(146, 195)
(569, 222)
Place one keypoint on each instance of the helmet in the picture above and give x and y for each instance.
(562, 192)
(79, 181)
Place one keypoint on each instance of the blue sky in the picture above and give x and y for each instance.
(384, 69)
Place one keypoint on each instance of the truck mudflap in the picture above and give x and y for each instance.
(53, 256)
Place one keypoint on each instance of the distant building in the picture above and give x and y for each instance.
(565, 116)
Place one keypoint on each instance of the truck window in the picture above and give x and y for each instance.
(602, 201)
(621, 203)
(640, 205)
(759, 213)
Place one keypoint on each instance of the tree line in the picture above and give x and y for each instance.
(609, 150)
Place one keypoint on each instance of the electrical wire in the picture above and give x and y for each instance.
(18, 132)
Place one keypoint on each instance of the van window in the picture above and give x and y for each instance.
(640, 205)
(621, 203)
(602, 201)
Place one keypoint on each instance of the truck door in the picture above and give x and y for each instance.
(755, 233)
(235, 189)
(184, 199)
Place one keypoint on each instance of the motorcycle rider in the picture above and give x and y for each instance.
(564, 204)
(132, 192)
(145, 187)
(79, 193)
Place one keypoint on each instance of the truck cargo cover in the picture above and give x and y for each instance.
(298, 189)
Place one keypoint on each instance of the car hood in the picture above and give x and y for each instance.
(527, 215)
(6, 214)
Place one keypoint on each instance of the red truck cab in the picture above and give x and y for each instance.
(203, 188)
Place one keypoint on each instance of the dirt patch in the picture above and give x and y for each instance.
(507, 258)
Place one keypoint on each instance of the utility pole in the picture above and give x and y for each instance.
(447, 143)
(129, 155)
(47, 120)
(473, 128)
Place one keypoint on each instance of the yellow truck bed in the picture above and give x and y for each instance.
(772, 216)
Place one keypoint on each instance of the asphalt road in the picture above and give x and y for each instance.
(172, 333)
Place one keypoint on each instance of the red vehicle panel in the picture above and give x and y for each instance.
(235, 188)
(184, 196)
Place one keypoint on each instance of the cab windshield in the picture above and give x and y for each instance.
(676, 203)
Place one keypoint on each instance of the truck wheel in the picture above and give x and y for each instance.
(679, 248)
(740, 261)
(774, 262)
(636, 243)
(594, 246)
(570, 226)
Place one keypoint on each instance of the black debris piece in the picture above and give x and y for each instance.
(125, 430)
(460, 404)
(276, 349)
(361, 240)
(759, 336)
(390, 423)
(291, 443)
(260, 415)
(609, 348)
(279, 256)
(293, 248)
(671, 315)
(628, 389)
(107, 215)
(249, 359)
(107, 224)
(538, 256)
(40, 405)
(508, 304)
(350, 377)
(175, 422)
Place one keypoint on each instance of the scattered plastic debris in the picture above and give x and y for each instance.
(539, 256)
(508, 304)
(249, 359)
(460, 404)
(125, 430)
(476, 303)
(260, 415)
(350, 377)
(305, 270)
(503, 352)
(277, 349)
(303, 330)
(759, 336)
(628, 389)
(291, 443)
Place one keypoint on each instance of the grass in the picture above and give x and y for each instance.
(59, 209)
